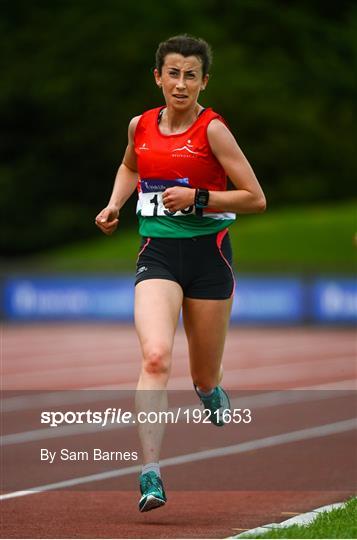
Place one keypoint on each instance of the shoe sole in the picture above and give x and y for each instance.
(151, 503)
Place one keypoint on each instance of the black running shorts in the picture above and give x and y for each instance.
(201, 265)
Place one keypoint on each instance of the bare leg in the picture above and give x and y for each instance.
(206, 324)
(157, 308)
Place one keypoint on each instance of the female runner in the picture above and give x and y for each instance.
(179, 156)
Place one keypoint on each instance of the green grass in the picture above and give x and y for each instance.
(306, 239)
(301, 239)
(339, 523)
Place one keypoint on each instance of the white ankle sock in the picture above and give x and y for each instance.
(151, 467)
(204, 394)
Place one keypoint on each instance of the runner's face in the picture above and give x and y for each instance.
(181, 80)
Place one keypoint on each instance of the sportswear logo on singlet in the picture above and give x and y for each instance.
(143, 147)
(187, 147)
(141, 269)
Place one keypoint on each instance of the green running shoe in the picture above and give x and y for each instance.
(152, 492)
(216, 403)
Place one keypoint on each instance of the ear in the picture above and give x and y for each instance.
(204, 82)
(157, 78)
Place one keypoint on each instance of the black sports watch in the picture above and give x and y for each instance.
(201, 198)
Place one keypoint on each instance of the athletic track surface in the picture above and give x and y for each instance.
(297, 454)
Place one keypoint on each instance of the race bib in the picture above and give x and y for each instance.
(150, 197)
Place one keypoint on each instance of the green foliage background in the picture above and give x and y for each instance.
(75, 72)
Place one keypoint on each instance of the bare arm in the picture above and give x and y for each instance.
(125, 183)
(248, 197)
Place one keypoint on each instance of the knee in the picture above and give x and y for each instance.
(157, 361)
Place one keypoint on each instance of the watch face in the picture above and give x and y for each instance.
(202, 198)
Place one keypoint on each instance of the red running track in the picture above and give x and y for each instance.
(261, 482)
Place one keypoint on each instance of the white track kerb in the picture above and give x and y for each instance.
(301, 519)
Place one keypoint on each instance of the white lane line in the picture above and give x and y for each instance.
(65, 397)
(237, 384)
(115, 369)
(274, 376)
(269, 374)
(90, 350)
(257, 444)
(254, 402)
(26, 356)
(295, 350)
(302, 520)
(348, 384)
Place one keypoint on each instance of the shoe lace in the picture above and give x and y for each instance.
(213, 402)
(149, 480)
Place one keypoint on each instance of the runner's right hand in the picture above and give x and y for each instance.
(107, 220)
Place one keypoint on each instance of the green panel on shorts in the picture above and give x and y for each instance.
(180, 226)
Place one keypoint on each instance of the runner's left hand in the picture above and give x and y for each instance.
(178, 198)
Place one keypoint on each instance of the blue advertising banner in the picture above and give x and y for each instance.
(278, 300)
(335, 300)
(70, 298)
(102, 298)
